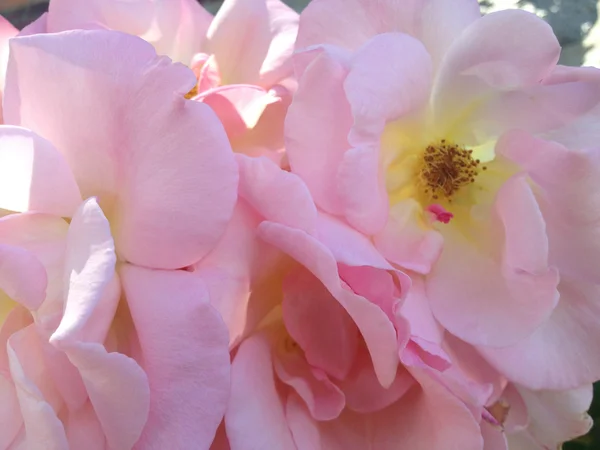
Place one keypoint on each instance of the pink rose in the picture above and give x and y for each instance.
(311, 308)
(413, 110)
(244, 76)
(107, 121)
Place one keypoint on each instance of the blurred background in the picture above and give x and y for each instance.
(575, 23)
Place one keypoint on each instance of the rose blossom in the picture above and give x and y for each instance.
(312, 311)
(245, 76)
(107, 121)
(455, 143)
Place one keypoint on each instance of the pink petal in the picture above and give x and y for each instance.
(349, 23)
(254, 403)
(323, 398)
(362, 190)
(164, 204)
(22, 276)
(493, 437)
(253, 41)
(560, 354)
(184, 352)
(320, 105)
(34, 176)
(497, 303)
(117, 388)
(84, 430)
(490, 55)
(89, 271)
(275, 194)
(558, 416)
(9, 411)
(364, 394)
(237, 24)
(238, 106)
(7, 31)
(567, 181)
(319, 324)
(351, 248)
(372, 322)
(303, 427)
(42, 426)
(416, 309)
(409, 421)
(230, 268)
(174, 28)
(390, 76)
(403, 241)
(277, 64)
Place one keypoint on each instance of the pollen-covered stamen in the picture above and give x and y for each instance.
(447, 168)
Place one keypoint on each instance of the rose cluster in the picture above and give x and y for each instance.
(373, 225)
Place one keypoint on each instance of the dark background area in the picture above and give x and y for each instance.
(573, 22)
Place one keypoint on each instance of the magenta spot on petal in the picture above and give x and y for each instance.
(440, 213)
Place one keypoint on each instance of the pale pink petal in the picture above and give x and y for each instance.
(184, 352)
(231, 267)
(153, 193)
(117, 388)
(351, 248)
(390, 76)
(523, 441)
(7, 31)
(403, 241)
(303, 427)
(84, 430)
(364, 394)
(10, 415)
(488, 56)
(253, 41)
(320, 105)
(561, 353)
(277, 64)
(34, 176)
(518, 416)
(239, 37)
(567, 181)
(42, 426)
(275, 194)
(22, 276)
(408, 421)
(254, 404)
(319, 324)
(45, 237)
(89, 270)
(491, 303)
(558, 416)
(493, 437)
(442, 21)
(350, 23)
(416, 309)
(323, 398)
(239, 106)
(175, 28)
(538, 109)
(372, 321)
(362, 191)
(470, 369)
